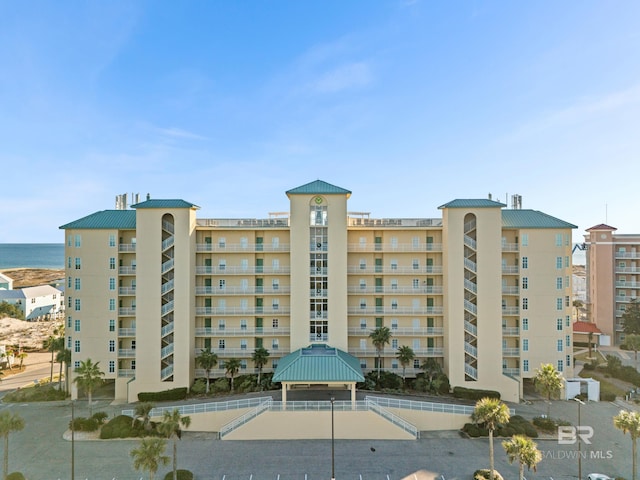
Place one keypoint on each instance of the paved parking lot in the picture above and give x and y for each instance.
(41, 453)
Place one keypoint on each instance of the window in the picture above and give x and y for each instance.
(222, 284)
(69, 302)
(558, 303)
(559, 324)
(363, 303)
(275, 284)
(568, 360)
(275, 264)
(76, 346)
(112, 263)
(415, 283)
(363, 264)
(394, 364)
(112, 345)
(558, 262)
(416, 343)
(394, 284)
(416, 363)
(394, 343)
(525, 283)
(567, 301)
(363, 324)
(243, 324)
(394, 304)
(394, 324)
(243, 344)
(275, 344)
(68, 322)
(222, 242)
(78, 264)
(559, 345)
(112, 240)
(525, 239)
(525, 365)
(76, 326)
(69, 240)
(567, 263)
(69, 282)
(275, 243)
(112, 325)
(363, 363)
(222, 323)
(274, 323)
(525, 262)
(558, 239)
(112, 366)
(560, 366)
(78, 241)
(68, 342)
(133, 364)
(415, 263)
(363, 344)
(76, 364)
(222, 264)
(567, 321)
(558, 283)
(112, 304)
(567, 341)
(275, 304)
(525, 303)
(394, 264)
(77, 304)
(363, 284)
(243, 364)
(112, 284)
(221, 344)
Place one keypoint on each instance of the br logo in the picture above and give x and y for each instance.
(569, 435)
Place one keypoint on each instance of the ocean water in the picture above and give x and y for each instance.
(31, 255)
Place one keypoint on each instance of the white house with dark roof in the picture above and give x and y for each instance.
(43, 302)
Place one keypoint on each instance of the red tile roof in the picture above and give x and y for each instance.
(586, 327)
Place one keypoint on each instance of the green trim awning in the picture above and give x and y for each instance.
(318, 363)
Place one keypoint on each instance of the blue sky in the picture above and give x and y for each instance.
(407, 103)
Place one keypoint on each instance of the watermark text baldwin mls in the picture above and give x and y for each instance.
(570, 435)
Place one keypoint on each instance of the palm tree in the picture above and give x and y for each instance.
(170, 428)
(380, 337)
(9, 422)
(590, 340)
(578, 304)
(524, 450)
(493, 413)
(259, 357)
(89, 376)
(548, 381)
(142, 412)
(629, 422)
(64, 357)
(148, 456)
(207, 360)
(53, 344)
(432, 370)
(22, 355)
(405, 355)
(232, 367)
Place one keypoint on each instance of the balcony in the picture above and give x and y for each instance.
(470, 349)
(127, 352)
(240, 223)
(471, 372)
(242, 332)
(399, 331)
(625, 299)
(510, 352)
(510, 269)
(126, 247)
(512, 372)
(470, 265)
(228, 291)
(632, 255)
(511, 331)
(421, 290)
(126, 291)
(390, 247)
(242, 247)
(127, 332)
(127, 270)
(625, 284)
(241, 270)
(280, 310)
(627, 269)
(510, 310)
(510, 247)
(471, 328)
(126, 311)
(392, 352)
(512, 290)
(243, 352)
(126, 372)
(398, 270)
(394, 311)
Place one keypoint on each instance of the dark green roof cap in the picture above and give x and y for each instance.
(105, 220)
(318, 363)
(532, 219)
(159, 203)
(472, 203)
(318, 187)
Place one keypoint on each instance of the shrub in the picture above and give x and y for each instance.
(181, 474)
(199, 386)
(607, 396)
(485, 474)
(221, 385)
(81, 424)
(121, 427)
(474, 394)
(589, 366)
(15, 476)
(37, 393)
(165, 395)
(100, 417)
(545, 423)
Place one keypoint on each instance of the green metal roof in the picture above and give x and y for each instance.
(318, 187)
(472, 203)
(532, 219)
(106, 219)
(318, 363)
(159, 203)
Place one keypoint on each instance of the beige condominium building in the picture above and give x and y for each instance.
(484, 289)
(613, 278)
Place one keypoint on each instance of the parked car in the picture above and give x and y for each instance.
(598, 476)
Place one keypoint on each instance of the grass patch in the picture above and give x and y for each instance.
(607, 389)
(36, 393)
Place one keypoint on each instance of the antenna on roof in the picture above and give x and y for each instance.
(516, 202)
(123, 204)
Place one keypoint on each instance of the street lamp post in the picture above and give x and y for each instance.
(73, 449)
(333, 470)
(580, 403)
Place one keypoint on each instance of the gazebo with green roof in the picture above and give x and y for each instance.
(318, 364)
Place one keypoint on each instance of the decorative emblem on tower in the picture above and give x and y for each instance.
(318, 200)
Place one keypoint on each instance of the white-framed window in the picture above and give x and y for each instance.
(275, 344)
(524, 239)
(559, 304)
(416, 344)
(567, 340)
(77, 304)
(394, 284)
(112, 305)
(275, 283)
(363, 324)
(560, 366)
(222, 284)
(394, 304)
(559, 324)
(394, 364)
(76, 325)
(69, 283)
(112, 263)
(558, 283)
(243, 344)
(525, 345)
(363, 264)
(274, 323)
(525, 303)
(525, 283)
(363, 303)
(112, 345)
(394, 324)
(275, 242)
(275, 264)
(416, 363)
(222, 264)
(244, 242)
(567, 262)
(68, 342)
(558, 239)
(567, 321)
(394, 264)
(222, 242)
(525, 365)
(525, 262)
(112, 325)
(415, 264)
(363, 344)
(415, 283)
(275, 304)
(76, 346)
(112, 283)
(363, 284)
(243, 364)
(559, 345)
(243, 324)
(78, 241)
(221, 344)
(394, 343)
(244, 264)
(244, 303)
(558, 262)
(363, 363)
(77, 284)
(394, 242)
(112, 366)
(76, 364)
(222, 324)
(112, 240)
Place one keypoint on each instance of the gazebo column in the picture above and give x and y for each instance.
(285, 387)
(353, 394)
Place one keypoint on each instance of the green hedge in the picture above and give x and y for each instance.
(517, 426)
(15, 476)
(181, 474)
(121, 426)
(485, 474)
(165, 395)
(474, 394)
